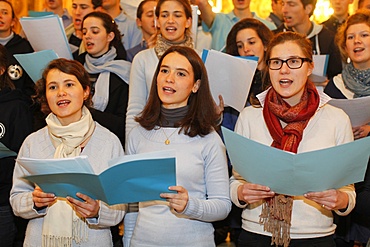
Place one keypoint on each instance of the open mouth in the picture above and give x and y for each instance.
(171, 29)
(78, 22)
(285, 82)
(169, 90)
(63, 102)
(358, 49)
(89, 45)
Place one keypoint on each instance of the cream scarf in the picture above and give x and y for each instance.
(61, 224)
(162, 44)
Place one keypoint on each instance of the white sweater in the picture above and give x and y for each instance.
(329, 127)
(201, 168)
(102, 147)
(141, 76)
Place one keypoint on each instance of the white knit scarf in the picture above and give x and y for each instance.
(61, 223)
(106, 65)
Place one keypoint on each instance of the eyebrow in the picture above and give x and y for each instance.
(251, 38)
(176, 11)
(179, 69)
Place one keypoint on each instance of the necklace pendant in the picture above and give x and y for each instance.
(167, 142)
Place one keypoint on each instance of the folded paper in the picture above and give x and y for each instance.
(229, 76)
(131, 178)
(295, 174)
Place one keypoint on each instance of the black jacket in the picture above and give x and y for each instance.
(114, 115)
(19, 45)
(15, 126)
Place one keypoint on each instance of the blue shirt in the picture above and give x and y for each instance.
(131, 33)
(222, 25)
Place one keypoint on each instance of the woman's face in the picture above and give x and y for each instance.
(65, 96)
(172, 21)
(358, 45)
(250, 44)
(289, 83)
(175, 81)
(6, 20)
(95, 36)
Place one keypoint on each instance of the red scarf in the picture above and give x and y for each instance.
(276, 212)
(296, 117)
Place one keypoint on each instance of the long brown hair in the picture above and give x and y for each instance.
(201, 117)
(262, 31)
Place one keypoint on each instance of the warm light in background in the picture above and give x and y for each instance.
(322, 12)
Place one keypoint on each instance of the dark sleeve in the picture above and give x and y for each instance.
(363, 195)
(331, 90)
(330, 47)
(114, 115)
(20, 128)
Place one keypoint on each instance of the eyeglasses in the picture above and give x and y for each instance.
(293, 63)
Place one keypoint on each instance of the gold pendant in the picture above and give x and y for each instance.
(167, 142)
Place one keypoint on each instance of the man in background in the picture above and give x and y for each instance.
(131, 33)
(220, 24)
(80, 8)
(276, 16)
(145, 17)
(56, 6)
(297, 15)
(363, 4)
(339, 16)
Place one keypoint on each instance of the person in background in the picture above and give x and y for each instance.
(56, 6)
(297, 15)
(363, 4)
(70, 132)
(15, 44)
(219, 24)
(276, 16)
(104, 60)
(174, 18)
(80, 8)
(145, 19)
(131, 34)
(339, 16)
(353, 39)
(292, 116)
(130, 7)
(248, 37)
(181, 115)
(15, 126)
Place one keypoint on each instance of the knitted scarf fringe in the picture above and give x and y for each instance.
(276, 217)
(80, 230)
(55, 241)
(79, 235)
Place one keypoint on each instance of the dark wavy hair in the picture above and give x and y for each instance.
(110, 26)
(361, 16)
(66, 66)
(201, 117)
(263, 32)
